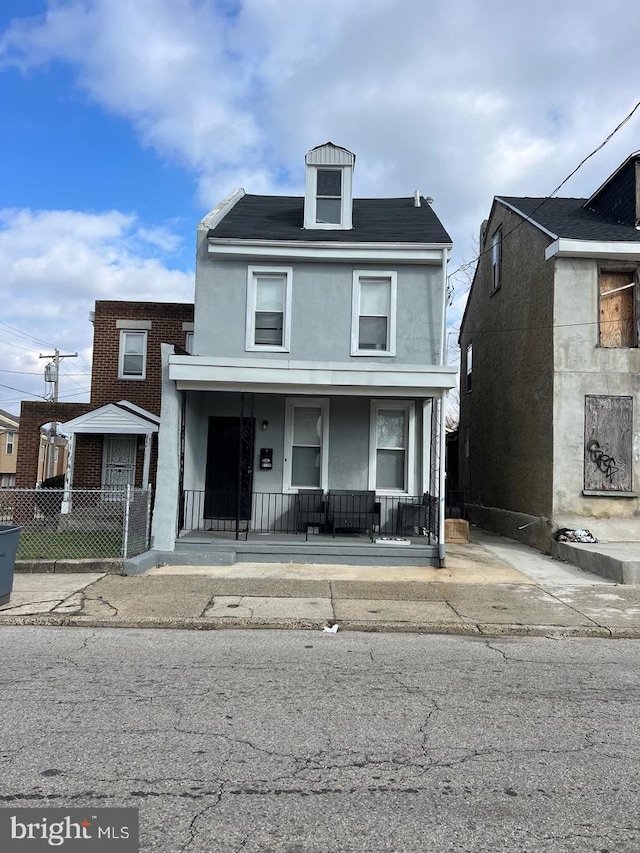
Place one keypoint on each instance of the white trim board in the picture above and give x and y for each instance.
(568, 248)
(279, 250)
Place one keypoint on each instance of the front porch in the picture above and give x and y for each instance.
(359, 528)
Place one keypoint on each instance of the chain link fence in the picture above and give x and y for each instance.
(78, 524)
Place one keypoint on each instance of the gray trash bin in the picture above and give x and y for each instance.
(9, 539)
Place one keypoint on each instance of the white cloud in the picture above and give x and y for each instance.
(55, 264)
(463, 99)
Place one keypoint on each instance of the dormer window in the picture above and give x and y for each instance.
(328, 195)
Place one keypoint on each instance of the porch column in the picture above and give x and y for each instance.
(442, 478)
(147, 460)
(65, 509)
(426, 446)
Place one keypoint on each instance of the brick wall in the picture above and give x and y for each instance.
(166, 327)
(33, 415)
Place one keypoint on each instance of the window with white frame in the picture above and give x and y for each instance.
(392, 446)
(188, 342)
(329, 196)
(11, 440)
(269, 309)
(469, 371)
(133, 355)
(373, 313)
(306, 460)
(496, 258)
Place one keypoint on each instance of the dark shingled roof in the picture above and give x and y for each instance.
(567, 217)
(375, 220)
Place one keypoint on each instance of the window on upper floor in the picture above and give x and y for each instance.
(392, 446)
(618, 308)
(496, 259)
(11, 440)
(469, 366)
(268, 325)
(328, 196)
(306, 440)
(188, 342)
(373, 313)
(133, 355)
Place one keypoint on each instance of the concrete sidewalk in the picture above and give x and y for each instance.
(493, 586)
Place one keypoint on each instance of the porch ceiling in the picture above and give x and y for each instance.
(204, 373)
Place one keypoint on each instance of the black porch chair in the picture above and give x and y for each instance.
(414, 518)
(311, 511)
(351, 511)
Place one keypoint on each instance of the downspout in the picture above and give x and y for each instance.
(443, 432)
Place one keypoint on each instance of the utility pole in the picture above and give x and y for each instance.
(55, 376)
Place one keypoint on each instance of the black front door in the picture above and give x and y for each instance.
(229, 473)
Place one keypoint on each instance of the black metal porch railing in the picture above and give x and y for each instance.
(309, 512)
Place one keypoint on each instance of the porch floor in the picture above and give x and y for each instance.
(355, 549)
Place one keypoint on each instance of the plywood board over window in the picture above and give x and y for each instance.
(608, 438)
(617, 309)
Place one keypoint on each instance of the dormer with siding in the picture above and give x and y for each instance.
(328, 197)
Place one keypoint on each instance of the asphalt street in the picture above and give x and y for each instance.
(299, 741)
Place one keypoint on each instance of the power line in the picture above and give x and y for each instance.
(21, 391)
(469, 264)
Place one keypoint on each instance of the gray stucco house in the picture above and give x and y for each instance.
(549, 420)
(311, 407)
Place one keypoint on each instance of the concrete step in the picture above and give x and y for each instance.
(617, 561)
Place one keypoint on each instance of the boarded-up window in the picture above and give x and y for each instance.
(617, 309)
(608, 433)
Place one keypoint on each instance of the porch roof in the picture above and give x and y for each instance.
(122, 418)
(271, 376)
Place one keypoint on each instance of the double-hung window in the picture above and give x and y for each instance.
(306, 460)
(329, 196)
(133, 355)
(373, 317)
(11, 438)
(268, 324)
(392, 446)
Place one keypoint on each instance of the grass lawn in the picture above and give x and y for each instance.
(69, 546)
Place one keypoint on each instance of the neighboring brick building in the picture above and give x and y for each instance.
(112, 438)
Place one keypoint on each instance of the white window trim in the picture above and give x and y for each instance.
(469, 368)
(355, 313)
(143, 375)
(292, 403)
(410, 455)
(311, 196)
(11, 440)
(252, 273)
(188, 342)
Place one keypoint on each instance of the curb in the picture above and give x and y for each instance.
(229, 623)
(107, 566)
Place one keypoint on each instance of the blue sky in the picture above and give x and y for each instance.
(124, 122)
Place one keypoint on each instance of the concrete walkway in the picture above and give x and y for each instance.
(493, 586)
